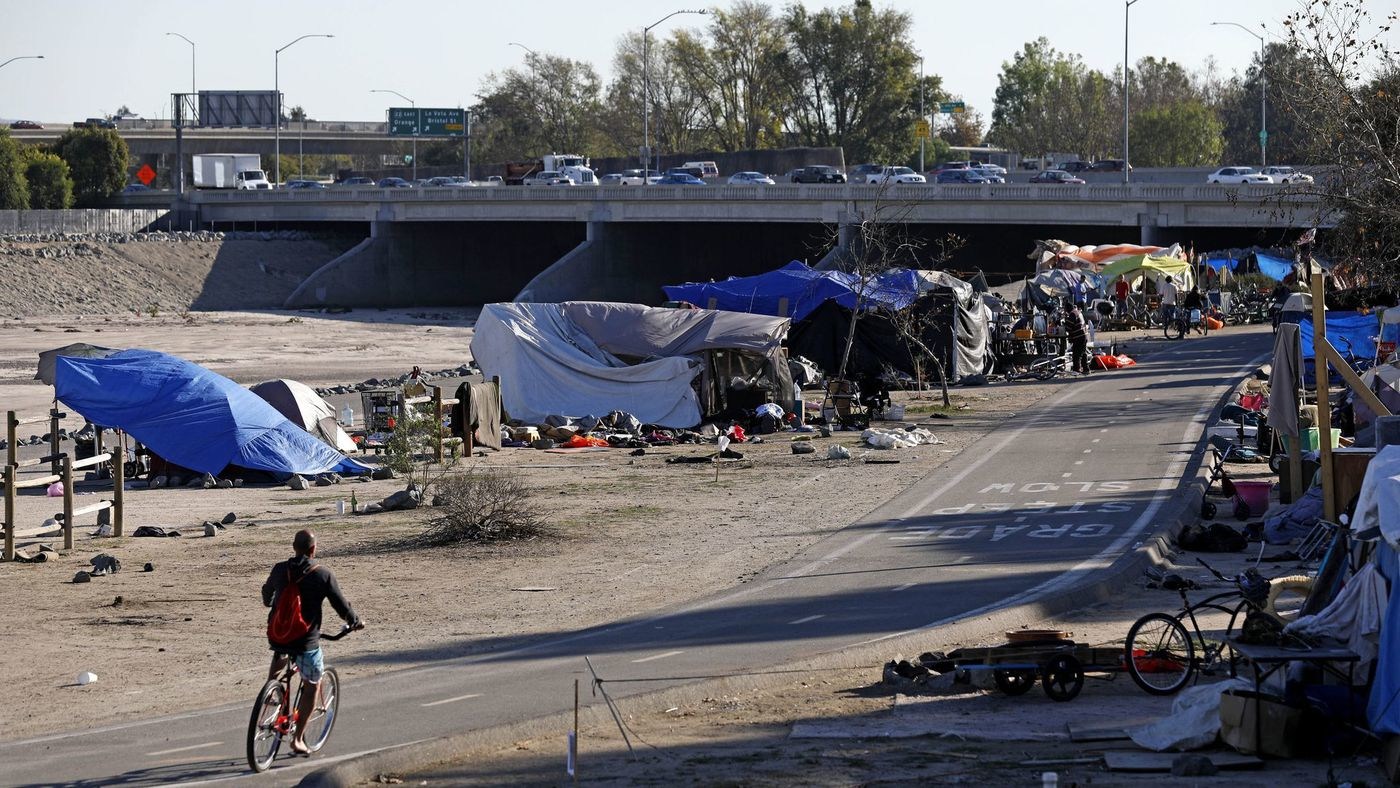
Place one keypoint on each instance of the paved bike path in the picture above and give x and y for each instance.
(1033, 508)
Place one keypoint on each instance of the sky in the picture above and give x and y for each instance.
(101, 54)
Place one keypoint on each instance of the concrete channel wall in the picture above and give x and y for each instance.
(83, 220)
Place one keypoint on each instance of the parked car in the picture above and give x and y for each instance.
(1280, 174)
(394, 183)
(679, 179)
(900, 175)
(355, 181)
(1055, 176)
(135, 188)
(748, 178)
(817, 173)
(548, 178)
(1237, 176)
(25, 124)
(304, 184)
(962, 176)
(1077, 166)
(1110, 165)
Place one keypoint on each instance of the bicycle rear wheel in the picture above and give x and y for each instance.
(264, 726)
(322, 719)
(1159, 654)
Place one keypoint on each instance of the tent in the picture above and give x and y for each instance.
(795, 290)
(1060, 283)
(189, 415)
(76, 350)
(1219, 261)
(957, 333)
(1276, 268)
(1136, 267)
(668, 367)
(1344, 329)
(302, 405)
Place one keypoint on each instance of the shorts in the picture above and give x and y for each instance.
(311, 664)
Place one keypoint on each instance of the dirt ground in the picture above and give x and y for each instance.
(624, 528)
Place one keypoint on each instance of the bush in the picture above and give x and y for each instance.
(50, 187)
(97, 160)
(483, 506)
(14, 189)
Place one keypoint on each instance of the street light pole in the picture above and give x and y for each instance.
(417, 123)
(21, 57)
(646, 92)
(922, 116)
(1263, 94)
(277, 99)
(1128, 4)
(191, 43)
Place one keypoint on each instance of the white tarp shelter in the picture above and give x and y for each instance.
(584, 358)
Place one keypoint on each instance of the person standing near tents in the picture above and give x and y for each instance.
(1078, 338)
(1167, 289)
(1120, 295)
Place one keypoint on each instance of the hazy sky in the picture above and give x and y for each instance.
(100, 54)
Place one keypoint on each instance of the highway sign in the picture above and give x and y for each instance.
(426, 122)
(921, 130)
(1263, 136)
(952, 107)
(145, 175)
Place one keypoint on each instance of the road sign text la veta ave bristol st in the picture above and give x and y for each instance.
(427, 122)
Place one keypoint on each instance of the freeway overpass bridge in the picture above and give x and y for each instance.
(443, 246)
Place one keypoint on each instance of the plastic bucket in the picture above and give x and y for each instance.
(1255, 495)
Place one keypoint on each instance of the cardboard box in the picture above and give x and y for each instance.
(526, 434)
(1280, 723)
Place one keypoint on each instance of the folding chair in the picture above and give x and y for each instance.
(843, 404)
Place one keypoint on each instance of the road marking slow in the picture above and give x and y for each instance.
(806, 619)
(183, 749)
(658, 656)
(451, 700)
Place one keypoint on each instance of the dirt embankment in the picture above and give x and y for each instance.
(113, 273)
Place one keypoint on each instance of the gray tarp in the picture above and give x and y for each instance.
(1285, 379)
(563, 359)
(76, 350)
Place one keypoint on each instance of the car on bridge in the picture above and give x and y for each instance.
(748, 178)
(817, 173)
(1281, 174)
(963, 176)
(1110, 165)
(1237, 176)
(26, 124)
(1055, 176)
(548, 178)
(356, 181)
(1077, 166)
(679, 179)
(895, 175)
(394, 183)
(304, 184)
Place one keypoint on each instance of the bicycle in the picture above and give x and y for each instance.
(1183, 322)
(1162, 656)
(274, 719)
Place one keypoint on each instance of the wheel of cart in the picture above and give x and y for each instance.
(1058, 663)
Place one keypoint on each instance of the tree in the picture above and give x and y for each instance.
(1288, 71)
(1020, 111)
(14, 189)
(1343, 102)
(297, 114)
(853, 83)
(1185, 134)
(736, 73)
(964, 129)
(675, 110)
(551, 105)
(50, 186)
(97, 160)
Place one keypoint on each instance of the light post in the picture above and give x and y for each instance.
(1263, 95)
(922, 116)
(1127, 4)
(21, 57)
(191, 43)
(416, 124)
(646, 92)
(277, 90)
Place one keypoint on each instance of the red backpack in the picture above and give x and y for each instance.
(286, 625)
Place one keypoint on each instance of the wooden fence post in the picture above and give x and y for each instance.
(11, 428)
(9, 480)
(437, 424)
(54, 416)
(118, 483)
(67, 461)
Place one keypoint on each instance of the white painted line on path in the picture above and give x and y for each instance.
(805, 619)
(904, 587)
(183, 749)
(1066, 475)
(658, 656)
(451, 700)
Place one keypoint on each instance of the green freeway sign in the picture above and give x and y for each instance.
(426, 122)
(951, 107)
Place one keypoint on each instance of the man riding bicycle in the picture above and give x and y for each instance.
(315, 583)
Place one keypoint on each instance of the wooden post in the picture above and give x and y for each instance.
(9, 480)
(118, 483)
(1324, 399)
(11, 428)
(67, 462)
(437, 424)
(54, 416)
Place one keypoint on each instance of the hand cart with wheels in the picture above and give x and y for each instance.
(1059, 663)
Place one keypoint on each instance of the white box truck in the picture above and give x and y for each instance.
(229, 171)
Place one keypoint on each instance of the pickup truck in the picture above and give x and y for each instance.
(818, 173)
(94, 123)
(894, 175)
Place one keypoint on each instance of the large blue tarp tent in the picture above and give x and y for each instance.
(1344, 329)
(1276, 268)
(189, 415)
(795, 290)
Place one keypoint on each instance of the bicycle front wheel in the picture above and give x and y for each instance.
(1159, 654)
(266, 725)
(322, 719)
(1174, 329)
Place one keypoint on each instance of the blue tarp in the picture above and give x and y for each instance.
(803, 288)
(1276, 268)
(1222, 262)
(1343, 328)
(189, 415)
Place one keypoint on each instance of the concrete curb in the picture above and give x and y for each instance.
(1180, 509)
